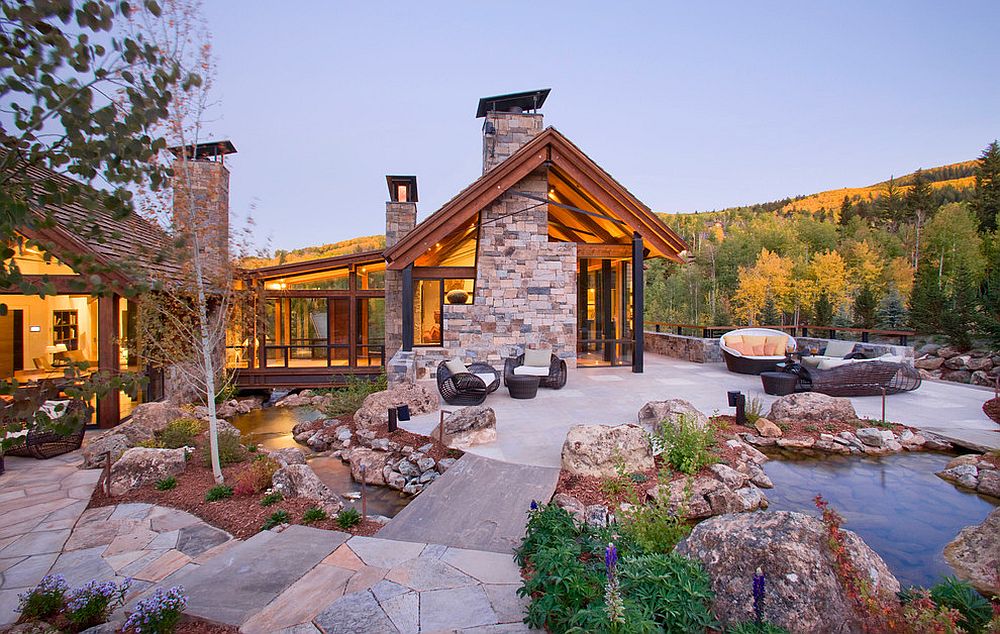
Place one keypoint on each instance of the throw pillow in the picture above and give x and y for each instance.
(537, 358)
(455, 366)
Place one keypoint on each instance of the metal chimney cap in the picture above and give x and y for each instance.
(202, 151)
(531, 100)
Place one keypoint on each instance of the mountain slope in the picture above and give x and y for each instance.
(344, 247)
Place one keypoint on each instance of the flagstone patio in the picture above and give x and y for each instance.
(532, 431)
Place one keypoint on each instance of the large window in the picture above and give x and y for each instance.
(429, 298)
(371, 331)
(334, 280)
(297, 332)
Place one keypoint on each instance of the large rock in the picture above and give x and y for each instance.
(965, 475)
(147, 420)
(287, 456)
(979, 363)
(803, 593)
(470, 426)
(596, 450)
(94, 450)
(140, 466)
(928, 363)
(989, 482)
(300, 481)
(975, 554)
(375, 408)
(957, 376)
(655, 413)
(704, 496)
(812, 407)
(766, 428)
(374, 463)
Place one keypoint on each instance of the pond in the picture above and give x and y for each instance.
(271, 427)
(895, 503)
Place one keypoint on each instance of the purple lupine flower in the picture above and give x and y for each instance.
(534, 505)
(610, 559)
(759, 578)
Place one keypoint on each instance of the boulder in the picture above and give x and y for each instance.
(703, 498)
(965, 475)
(957, 376)
(728, 476)
(766, 428)
(408, 469)
(300, 481)
(751, 498)
(812, 407)
(874, 437)
(980, 377)
(597, 450)
(989, 482)
(654, 413)
(396, 481)
(928, 363)
(975, 554)
(374, 462)
(140, 466)
(147, 420)
(93, 452)
(445, 463)
(469, 426)
(287, 456)
(796, 443)
(803, 593)
(928, 349)
(947, 352)
(375, 408)
(301, 399)
(571, 505)
(969, 458)
(960, 362)
(979, 363)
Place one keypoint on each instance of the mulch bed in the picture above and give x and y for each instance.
(992, 409)
(241, 516)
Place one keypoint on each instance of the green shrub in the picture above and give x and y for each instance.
(277, 518)
(314, 514)
(166, 483)
(348, 517)
(45, 599)
(218, 492)
(754, 410)
(753, 627)
(150, 443)
(230, 450)
(181, 433)
(658, 526)
(685, 446)
(271, 498)
(677, 590)
(348, 399)
(975, 609)
(252, 447)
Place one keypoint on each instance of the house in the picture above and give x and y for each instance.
(544, 249)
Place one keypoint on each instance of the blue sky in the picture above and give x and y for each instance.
(693, 106)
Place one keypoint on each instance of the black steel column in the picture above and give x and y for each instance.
(638, 305)
(607, 321)
(408, 308)
(583, 325)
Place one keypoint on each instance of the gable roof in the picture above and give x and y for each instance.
(550, 148)
(314, 266)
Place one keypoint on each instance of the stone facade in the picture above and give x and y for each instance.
(209, 188)
(693, 349)
(400, 219)
(511, 131)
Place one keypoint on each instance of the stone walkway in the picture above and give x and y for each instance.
(478, 503)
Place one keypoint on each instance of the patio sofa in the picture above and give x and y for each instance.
(754, 350)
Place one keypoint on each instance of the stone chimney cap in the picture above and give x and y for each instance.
(203, 151)
(514, 102)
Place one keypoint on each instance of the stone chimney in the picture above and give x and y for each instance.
(209, 188)
(509, 125)
(400, 219)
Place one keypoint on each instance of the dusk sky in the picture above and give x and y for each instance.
(691, 106)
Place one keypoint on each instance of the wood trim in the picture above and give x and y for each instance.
(108, 407)
(65, 242)
(443, 272)
(314, 266)
(603, 251)
(270, 294)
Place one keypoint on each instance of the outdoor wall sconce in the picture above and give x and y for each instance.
(738, 400)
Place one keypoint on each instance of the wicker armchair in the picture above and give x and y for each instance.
(466, 388)
(557, 371)
(62, 435)
(861, 378)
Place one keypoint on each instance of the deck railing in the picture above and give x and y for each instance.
(827, 332)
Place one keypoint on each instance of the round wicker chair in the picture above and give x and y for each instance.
(61, 435)
(557, 371)
(466, 388)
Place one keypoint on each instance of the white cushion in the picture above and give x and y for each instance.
(487, 378)
(49, 409)
(838, 348)
(528, 370)
(829, 364)
(891, 358)
(537, 358)
(455, 366)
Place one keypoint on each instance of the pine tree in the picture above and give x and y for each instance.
(927, 302)
(865, 305)
(919, 205)
(823, 310)
(890, 203)
(989, 314)
(846, 211)
(892, 311)
(959, 319)
(769, 315)
(986, 201)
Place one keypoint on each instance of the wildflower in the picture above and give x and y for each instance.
(759, 579)
(610, 559)
(613, 604)
(158, 612)
(534, 505)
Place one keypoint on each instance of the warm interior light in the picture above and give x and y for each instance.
(34, 329)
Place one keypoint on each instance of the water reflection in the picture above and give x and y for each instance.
(271, 427)
(896, 504)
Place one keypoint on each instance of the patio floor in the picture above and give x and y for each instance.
(532, 431)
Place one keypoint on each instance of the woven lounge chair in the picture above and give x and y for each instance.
(554, 378)
(754, 350)
(467, 388)
(861, 378)
(62, 435)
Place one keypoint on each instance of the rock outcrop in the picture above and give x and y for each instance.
(975, 554)
(140, 466)
(300, 481)
(375, 408)
(656, 413)
(812, 407)
(373, 462)
(973, 471)
(470, 426)
(803, 592)
(597, 450)
(979, 367)
(110, 442)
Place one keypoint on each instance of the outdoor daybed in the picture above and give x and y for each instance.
(550, 369)
(754, 350)
(63, 434)
(466, 385)
(861, 377)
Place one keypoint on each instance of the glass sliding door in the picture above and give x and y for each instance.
(604, 312)
(297, 332)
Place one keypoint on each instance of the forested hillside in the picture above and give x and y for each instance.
(920, 250)
(344, 247)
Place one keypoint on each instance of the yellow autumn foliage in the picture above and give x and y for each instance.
(829, 273)
(770, 275)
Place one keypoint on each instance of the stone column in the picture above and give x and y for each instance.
(510, 132)
(209, 188)
(400, 219)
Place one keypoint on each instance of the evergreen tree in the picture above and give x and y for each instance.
(959, 319)
(846, 211)
(823, 310)
(865, 305)
(892, 311)
(890, 204)
(927, 301)
(769, 315)
(919, 203)
(986, 201)
(989, 315)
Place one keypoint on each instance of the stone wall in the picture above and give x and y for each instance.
(400, 219)
(693, 349)
(511, 132)
(978, 367)
(208, 190)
